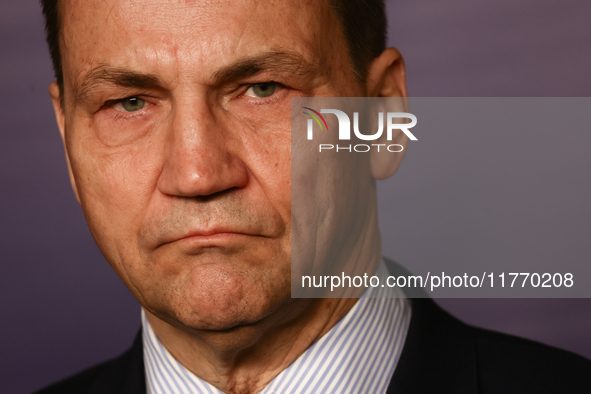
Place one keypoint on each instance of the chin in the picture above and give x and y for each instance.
(222, 297)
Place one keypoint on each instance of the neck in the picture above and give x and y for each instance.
(245, 359)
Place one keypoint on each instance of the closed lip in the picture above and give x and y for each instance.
(210, 235)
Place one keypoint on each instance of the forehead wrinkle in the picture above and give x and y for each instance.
(289, 62)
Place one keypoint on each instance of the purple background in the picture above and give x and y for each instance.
(63, 307)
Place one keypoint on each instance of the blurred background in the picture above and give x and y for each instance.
(64, 309)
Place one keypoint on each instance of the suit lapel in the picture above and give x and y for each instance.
(439, 354)
(124, 375)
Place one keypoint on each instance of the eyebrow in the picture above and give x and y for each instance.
(280, 61)
(116, 76)
(286, 62)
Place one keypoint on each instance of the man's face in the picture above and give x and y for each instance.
(177, 129)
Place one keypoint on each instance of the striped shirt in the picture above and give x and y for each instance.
(358, 355)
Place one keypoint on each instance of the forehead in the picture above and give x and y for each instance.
(202, 34)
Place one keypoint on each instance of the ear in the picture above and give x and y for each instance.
(54, 92)
(387, 78)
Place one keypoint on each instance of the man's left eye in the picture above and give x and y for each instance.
(262, 90)
(130, 104)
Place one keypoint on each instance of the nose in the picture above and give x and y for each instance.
(201, 157)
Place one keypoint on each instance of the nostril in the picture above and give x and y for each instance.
(216, 195)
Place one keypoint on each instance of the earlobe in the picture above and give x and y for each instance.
(385, 162)
(387, 78)
(55, 94)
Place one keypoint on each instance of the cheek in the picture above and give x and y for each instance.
(268, 156)
(115, 186)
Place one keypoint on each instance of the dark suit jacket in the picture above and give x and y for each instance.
(441, 355)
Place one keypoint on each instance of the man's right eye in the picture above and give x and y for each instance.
(130, 104)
